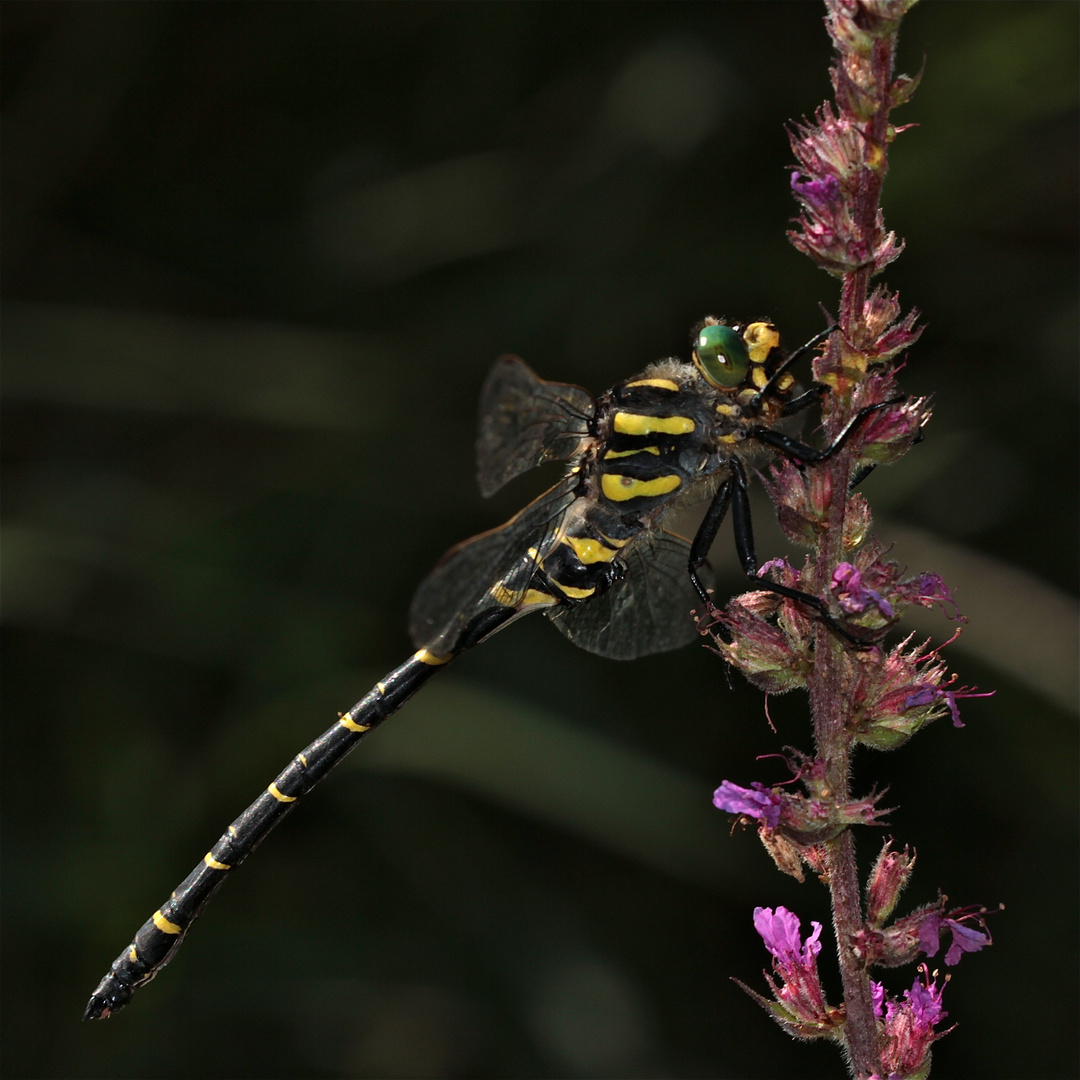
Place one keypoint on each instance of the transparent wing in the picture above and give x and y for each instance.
(525, 421)
(648, 611)
(454, 591)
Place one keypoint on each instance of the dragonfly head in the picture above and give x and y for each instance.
(734, 358)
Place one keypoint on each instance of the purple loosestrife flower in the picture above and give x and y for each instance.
(909, 1027)
(793, 826)
(965, 938)
(898, 693)
(853, 596)
(799, 1004)
(926, 590)
(756, 801)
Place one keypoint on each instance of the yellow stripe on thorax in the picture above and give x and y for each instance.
(758, 376)
(660, 384)
(640, 424)
(621, 488)
(630, 453)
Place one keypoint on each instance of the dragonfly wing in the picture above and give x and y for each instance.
(525, 421)
(648, 611)
(455, 590)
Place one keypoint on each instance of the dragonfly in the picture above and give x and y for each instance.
(591, 554)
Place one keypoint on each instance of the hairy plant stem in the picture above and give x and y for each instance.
(828, 684)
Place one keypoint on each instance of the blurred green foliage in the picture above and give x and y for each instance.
(257, 259)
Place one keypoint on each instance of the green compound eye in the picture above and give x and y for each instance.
(721, 356)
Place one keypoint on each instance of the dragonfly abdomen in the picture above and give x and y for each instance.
(160, 936)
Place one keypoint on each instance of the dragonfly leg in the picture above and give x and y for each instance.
(803, 454)
(744, 546)
(706, 534)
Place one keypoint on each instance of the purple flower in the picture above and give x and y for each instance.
(781, 930)
(819, 196)
(898, 694)
(756, 801)
(909, 1025)
(853, 596)
(782, 565)
(929, 589)
(964, 938)
(806, 1012)
(924, 695)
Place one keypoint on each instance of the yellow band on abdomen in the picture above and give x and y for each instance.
(164, 925)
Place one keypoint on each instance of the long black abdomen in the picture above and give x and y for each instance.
(160, 936)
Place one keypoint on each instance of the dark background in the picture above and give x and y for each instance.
(257, 259)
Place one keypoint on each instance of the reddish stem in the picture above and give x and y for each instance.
(828, 685)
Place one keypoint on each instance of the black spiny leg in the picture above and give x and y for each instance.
(706, 534)
(733, 492)
(744, 545)
(801, 453)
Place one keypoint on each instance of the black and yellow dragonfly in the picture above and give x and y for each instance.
(591, 554)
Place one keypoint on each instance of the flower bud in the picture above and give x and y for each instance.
(887, 879)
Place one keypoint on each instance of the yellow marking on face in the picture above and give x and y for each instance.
(589, 550)
(426, 657)
(761, 338)
(660, 384)
(164, 925)
(785, 382)
(210, 861)
(621, 488)
(639, 424)
(534, 598)
(576, 594)
(273, 789)
(347, 721)
(758, 376)
(729, 410)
